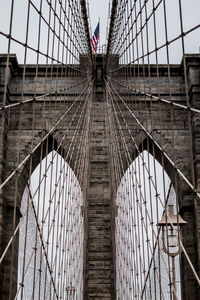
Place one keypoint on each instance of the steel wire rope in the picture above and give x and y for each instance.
(26, 46)
(46, 68)
(140, 154)
(178, 171)
(79, 33)
(37, 51)
(187, 107)
(160, 148)
(56, 182)
(84, 163)
(140, 237)
(149, 179)
(33, 198)
(140, 207)
(155, 245)
(80, 145)
(8, 106)
(137, 15)
(60, 23)
(59, 181)
(18, 153)
(124, 170)
(159, 48)
(171, 102)
(147, 213)
(38, 208)
(117, 27)
(144, 169)
(153, 184)
(36, 147)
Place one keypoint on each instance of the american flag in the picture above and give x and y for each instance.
(95, 39)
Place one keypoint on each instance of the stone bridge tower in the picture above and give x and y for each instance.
(99, 207)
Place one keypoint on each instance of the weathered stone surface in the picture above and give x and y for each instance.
(99, 277)
(99, 269)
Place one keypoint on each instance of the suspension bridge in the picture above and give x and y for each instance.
(99, 152)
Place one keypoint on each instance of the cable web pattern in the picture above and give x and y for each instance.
(99, 172)
(150, 105)
(45, 106)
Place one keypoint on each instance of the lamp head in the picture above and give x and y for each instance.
(171, 218)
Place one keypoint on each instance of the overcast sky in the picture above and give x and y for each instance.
(191, 17)
(99, 9)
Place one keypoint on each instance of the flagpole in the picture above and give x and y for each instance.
(95, 39)
(99, 36)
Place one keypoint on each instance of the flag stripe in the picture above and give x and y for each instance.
(92, 45)
(94, 40)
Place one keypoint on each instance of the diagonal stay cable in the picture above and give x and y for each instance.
(42, 242)
(31, 202)
(141, 197)
(42, 96)
(18, 225)
(40, 52)
(159, 147)
(140, 155)
(157, 49)
(43, 139)
(155, 245)
(72, 144)
(178, 171)
(189, 261)
(80, 144)
(171, 102)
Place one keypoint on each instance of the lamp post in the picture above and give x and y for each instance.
(70, 292)
(104, 45)
(171, 225)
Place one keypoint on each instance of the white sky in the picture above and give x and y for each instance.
(191, 17)
(99, 9)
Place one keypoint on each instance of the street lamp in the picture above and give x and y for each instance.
(104, 45)
(70, 292)
(171, 225)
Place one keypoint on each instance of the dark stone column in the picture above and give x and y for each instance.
(99, 269)
(193, 75)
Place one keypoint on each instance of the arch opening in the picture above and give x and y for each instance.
(50, 255)
(143, 269)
